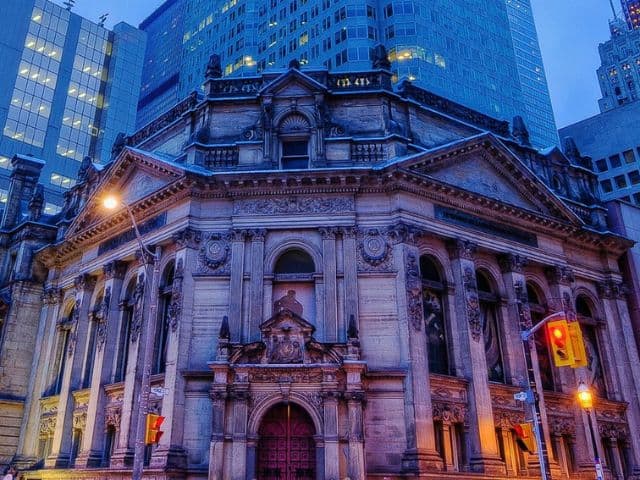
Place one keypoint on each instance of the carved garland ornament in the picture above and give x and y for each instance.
(414, 290)
(473, 303)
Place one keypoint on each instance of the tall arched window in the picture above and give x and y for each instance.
(433, 289)
(162, 327)
(294, 284)
(490, 330)
(124, 332)
(87, 371)
(538, 311)
(294, 133)
(588, 324)
(59, 360)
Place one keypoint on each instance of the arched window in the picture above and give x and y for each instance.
(588, 323)
(490, 330)
(59, 360)
(294, 134)
(433, 289)
(538, 311)
(87, 371)
(294, 284)
(162, 327)
(124, 333)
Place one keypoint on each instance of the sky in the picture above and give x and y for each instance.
(569, 32)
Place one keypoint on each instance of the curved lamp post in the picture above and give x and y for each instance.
(112, 202)
(585, 398)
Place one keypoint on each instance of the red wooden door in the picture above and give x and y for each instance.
(286, 449)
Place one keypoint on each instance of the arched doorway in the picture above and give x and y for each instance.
(286, 449)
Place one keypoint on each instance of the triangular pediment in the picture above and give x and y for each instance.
(293, 83)
(484, 166)
(133, 176)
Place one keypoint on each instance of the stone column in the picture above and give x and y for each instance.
(123, 453)
(61, 446)
(239, 331)
(170, 452)
(239, 412)
(421, 454)
(39, 376)
(484, 455)
(256, 314)
(621, 345)
(354, 395)
(106, 338)
(331, 331)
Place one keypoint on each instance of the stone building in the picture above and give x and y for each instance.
(341, 271)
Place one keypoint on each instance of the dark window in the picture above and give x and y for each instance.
(634, 177)
(538, 311)
(588, 326)
(615, 161)
(621, 182)
(435, 318)
(636, 198)
(125, 334)
(295, 154)
(295, 261)
(490, 328)
(606, 186)
(628, 156)
(109, 445)
(162, 328)
(601, 165)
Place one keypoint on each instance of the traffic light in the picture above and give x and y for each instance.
(152, 432)
(577, 344)
(560, 343)
(525, 437)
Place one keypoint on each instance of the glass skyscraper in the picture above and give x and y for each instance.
(458, 49)
(69, 87)
(631, 10)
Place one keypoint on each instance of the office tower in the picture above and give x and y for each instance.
(537, 102)
(461, 50)
(631, 10)
(612, 138)
(69, 86)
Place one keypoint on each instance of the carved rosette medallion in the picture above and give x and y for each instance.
(375, 251)
(214, 253)
(414, 290)
(473, 303)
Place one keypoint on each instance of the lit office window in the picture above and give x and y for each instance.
(62, 181)
(5, 162)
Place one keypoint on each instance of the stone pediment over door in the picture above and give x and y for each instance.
(484, 166)
(287, 339)
(133, 176)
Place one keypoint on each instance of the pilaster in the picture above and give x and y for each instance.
(484, 455)
(219, 402)
(421, 454)
(106, 317)
(239, 331)
(331, 332)
(256, 314)
(61, 445)
(350, 265)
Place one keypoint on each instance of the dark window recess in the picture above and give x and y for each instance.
(636, 197)
(628, 156)
(601, 165)
(634, 177)
(615, 161)
(606, 186)
(621, 182)
(295, 154)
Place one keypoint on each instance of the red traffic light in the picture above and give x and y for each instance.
(559, 344)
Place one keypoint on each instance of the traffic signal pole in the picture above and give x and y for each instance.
(526, 333)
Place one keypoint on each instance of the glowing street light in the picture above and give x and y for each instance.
(585, 398)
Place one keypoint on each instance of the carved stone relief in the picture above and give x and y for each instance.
(472, 303)
(374, 251)
(175, 304)
(293, 205)
(214, 254)
(413, 285)
(138, 308)
(102, 317)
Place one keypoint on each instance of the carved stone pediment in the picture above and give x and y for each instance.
(287, 339)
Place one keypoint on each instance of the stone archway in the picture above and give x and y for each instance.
(286, 445)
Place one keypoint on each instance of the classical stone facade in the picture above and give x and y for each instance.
(341, 270)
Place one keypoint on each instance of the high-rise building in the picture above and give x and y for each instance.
(631, 10)
(463, 52)
(537, 102)
(69, 86)
(612, 138)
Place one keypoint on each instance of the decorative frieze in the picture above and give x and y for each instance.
(294, 205)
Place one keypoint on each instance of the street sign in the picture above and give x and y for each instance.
(159, 391)
(520, 396)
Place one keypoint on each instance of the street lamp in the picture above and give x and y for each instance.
(111, 202)
(585, 398)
